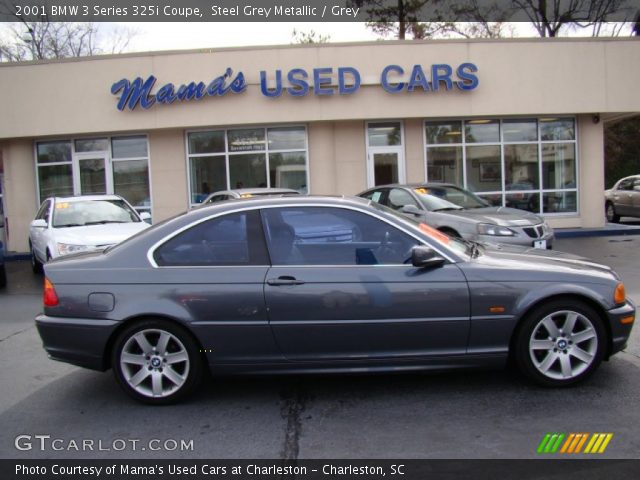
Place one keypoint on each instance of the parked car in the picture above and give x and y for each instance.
(623, 200)
(3, 272)
(461, 213)
(246, 193)
(242, 287)
(65, 225)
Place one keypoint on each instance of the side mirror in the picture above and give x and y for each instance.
(426, 257)
(39, 223)
(145, 216)
(411, 210)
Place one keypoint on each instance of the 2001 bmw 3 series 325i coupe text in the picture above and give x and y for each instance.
(322, 284)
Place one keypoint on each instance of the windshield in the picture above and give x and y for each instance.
(455, 244)
(92, 212)
(445, 197)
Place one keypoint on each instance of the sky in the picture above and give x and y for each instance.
(171, 36)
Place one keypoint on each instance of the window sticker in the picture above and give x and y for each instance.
(376, 197)
(421, 191)
(62, 206)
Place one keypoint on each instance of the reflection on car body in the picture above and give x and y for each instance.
(319, 284)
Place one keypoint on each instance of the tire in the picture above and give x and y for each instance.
(3, 277)
(553, 357)
(451, 232)
(610, 213)
(147, 376)
(36, 266)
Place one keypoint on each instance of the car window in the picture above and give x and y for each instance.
(218, 198)
(333, 236)
(92, 212)
(636, 184)
(433, 196)
(373, 195)
(229, 240)
(43, 213)
(398, 198)
(626, 184)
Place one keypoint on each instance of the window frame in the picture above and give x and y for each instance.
(539, 143)
(227, 154)
(109, 161)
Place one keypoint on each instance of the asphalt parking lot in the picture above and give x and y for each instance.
(450, 415)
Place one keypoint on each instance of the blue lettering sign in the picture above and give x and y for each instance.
(138, 92)
(384, 80)
(343, 88)
(266, 91)
(298, 80)
(319, 80)
(468, 81)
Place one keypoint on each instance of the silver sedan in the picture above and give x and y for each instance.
(460, 213)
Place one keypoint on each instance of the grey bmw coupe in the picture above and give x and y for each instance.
(323, 284)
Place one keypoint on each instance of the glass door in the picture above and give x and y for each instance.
(92, 174)
(385, 153)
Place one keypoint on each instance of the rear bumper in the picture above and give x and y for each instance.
(620, 331)
(77, 341)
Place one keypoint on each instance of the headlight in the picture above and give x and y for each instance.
(495, 230)
(66, 248)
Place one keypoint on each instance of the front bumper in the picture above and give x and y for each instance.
(77, 341)
(620, 331)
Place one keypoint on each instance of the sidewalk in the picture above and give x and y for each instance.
(610, 229)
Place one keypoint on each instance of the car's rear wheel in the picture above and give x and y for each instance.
(610, 212)
(36, 266)
(156, 362)
(561, 343)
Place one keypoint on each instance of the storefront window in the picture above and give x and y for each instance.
(384, 134)
(246, 158)
(129, 147)
(528, 164)
(131, 181)
(444, 164)
(55, 180)
(482, 131)
(484, 172)
(87, 166)
(444, 132)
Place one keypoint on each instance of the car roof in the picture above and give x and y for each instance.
(414, 185)
(254, 191)
(80, 198)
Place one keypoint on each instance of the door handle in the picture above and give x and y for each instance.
(284, 280)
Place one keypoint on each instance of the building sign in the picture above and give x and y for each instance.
(297, 82)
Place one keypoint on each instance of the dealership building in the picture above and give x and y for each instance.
(518, 121)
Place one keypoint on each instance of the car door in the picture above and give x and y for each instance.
(622, 197)
(40, 235)
(213, 273)
(341, 287)
(635, 198)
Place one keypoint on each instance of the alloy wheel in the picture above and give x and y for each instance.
(563, 345)
(154, 363)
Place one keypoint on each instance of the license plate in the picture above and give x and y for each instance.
(540, 244)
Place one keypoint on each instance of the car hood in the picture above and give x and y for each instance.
(99, 235)
(538, 263)
(504, 216)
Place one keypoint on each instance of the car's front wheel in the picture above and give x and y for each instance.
(610, 212)
(561, 343)
(156, 362)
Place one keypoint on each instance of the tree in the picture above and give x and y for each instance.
(298, 36)
(549, 17)
(621, 149)
(49, 40)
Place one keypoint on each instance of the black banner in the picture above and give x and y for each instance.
(314, 10)
(318, 469)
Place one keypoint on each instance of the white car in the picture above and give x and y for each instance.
(65, 225)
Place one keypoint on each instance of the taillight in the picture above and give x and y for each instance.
(49, 296)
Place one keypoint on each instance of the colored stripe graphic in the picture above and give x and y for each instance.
(550, 443)
(574, 443)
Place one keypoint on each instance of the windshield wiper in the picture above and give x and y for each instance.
(64, 225)
(102, 222)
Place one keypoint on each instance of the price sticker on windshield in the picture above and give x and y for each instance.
(421, 191)
(62, 206)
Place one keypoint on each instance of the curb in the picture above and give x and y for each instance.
(596, 232)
